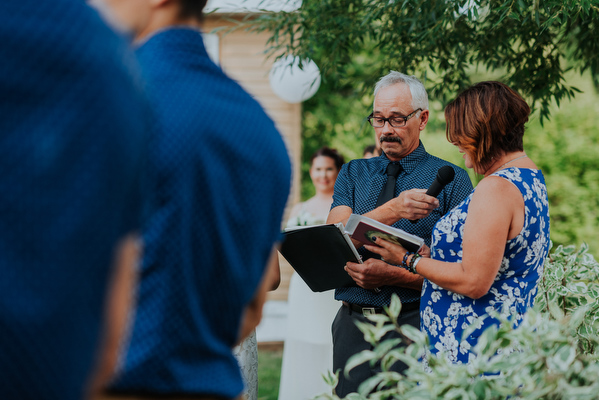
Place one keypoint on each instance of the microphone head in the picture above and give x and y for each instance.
(445, 175)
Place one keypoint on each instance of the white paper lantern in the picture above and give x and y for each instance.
(291, 83)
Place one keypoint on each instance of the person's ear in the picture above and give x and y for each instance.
(423, 119)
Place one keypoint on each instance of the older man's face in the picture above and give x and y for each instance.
(396, 101)
(131, 16)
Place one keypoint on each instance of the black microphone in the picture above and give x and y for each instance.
(444, 176)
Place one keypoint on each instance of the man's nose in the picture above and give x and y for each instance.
(387, 128)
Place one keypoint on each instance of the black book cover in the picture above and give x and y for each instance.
(318, 254)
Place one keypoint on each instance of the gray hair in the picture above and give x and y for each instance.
(419, 95)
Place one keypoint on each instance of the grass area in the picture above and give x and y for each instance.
(269, 372)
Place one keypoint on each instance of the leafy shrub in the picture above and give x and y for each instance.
(570, 283)
(552, 354)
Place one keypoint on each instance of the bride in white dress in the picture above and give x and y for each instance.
(308, 351)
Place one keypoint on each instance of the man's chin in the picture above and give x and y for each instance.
(394, 153)
(392, 147)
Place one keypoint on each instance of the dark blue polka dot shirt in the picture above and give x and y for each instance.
(222, 177)
(358, 186)
(72, 139)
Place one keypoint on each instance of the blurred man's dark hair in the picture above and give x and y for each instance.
(193, 9)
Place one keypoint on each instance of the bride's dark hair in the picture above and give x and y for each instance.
(331, 153)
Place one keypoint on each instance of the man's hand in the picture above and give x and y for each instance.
(413, 204)
(393, 252)
(376, 273)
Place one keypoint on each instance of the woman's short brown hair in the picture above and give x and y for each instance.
(486, 120)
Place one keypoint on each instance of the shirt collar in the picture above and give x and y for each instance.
(175, 38)
(408, 163)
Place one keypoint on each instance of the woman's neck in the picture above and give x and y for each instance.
(506, 160)
(324, 196)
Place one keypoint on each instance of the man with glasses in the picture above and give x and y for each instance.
(400, 113)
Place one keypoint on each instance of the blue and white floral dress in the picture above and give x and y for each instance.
(445, 314)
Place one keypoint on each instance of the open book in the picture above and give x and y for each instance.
(362, 228)
(318, 253)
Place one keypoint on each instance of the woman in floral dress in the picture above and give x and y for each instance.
(487, 254)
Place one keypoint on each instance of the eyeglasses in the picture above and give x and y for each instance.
(395, 122)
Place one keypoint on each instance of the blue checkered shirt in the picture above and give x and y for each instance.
(358, 186)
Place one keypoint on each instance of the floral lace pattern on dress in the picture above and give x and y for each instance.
(247, 356)
(445, 314)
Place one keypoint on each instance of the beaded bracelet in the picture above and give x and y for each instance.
(413, 262)
(404, 263)
(416, 263)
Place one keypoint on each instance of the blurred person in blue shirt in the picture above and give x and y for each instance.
(222, 178)
(73, 125)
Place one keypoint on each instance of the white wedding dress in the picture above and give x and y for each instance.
(308, 351)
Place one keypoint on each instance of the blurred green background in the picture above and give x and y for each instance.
(565, 147)
(528, 44)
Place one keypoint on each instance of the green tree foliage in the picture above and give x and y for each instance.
(335, 117)
(566, 148)
(441, 41)
(534, 46)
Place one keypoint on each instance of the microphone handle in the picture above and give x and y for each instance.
(433, 190)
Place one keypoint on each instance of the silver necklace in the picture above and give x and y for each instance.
(503, 165)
